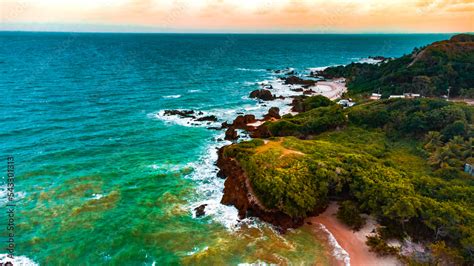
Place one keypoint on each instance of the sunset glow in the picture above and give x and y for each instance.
(240, 16)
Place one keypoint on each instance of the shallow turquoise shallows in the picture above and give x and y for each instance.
(103, 179)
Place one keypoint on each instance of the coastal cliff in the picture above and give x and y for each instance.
(238, 192)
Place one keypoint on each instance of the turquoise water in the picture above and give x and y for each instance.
(103, 179)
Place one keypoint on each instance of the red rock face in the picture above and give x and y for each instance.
(237, 193)
(231, 134)
(241, 121)
(274, 112)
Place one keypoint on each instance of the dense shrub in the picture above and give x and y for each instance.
(415, 117)
(316, 121)
(414, 182)
(430, 71)
(380, 247)
(316, 101)
(349, 214)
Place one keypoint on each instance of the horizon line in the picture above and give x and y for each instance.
(232, 32)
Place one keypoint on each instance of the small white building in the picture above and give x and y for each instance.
(375, 96)
(346, 103)
(411, 95)
(396, 96)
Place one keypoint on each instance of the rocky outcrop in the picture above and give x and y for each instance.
(241, 121)
(294, 80)
(196, 116)
(200, 211)
(274, 112)
(231, 134)
(182, 113)
(379, 58)
(238, 193)
(261, 132)
(211, 118)
(262, 94)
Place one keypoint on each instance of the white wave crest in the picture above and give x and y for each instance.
(184, 121)
(250, 69)
(338, 252)
(17, 260)
(4, 195)
(210, 188)
(369, 61)
(172, 96)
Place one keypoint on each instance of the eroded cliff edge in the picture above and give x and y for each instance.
(238, 192)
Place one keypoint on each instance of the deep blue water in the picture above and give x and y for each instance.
(100, 178)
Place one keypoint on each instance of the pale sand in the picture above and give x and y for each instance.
(256, 124)
(352, 242)
(331, 89)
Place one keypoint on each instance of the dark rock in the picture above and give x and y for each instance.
(231, 134)
(212, 118)
(297, 90)
(262, 94)
(221, 174)
(274, 112)
(200, 210)
(308, 92)
(241, 121)
(296, 80)
(379, 57)
(225, 125)
(261, 132)
(214, 128)
(182, 113)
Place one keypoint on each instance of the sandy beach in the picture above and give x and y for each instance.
(352, 242)
(332, 89)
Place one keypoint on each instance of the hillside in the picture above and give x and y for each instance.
(429, 70)
(398, 160)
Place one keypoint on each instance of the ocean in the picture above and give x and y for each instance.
(103, 177)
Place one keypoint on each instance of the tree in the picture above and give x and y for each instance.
(349, 214)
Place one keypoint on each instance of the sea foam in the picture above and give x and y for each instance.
(18, 260)
(172, 96)
(338, 252)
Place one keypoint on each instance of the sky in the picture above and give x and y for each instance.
(252, 16)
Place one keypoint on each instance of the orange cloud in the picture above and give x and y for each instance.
(253, 15)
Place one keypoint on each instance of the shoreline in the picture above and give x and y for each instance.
(351, 242)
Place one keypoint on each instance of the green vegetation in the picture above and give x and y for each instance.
(379, 246)
(398, 160)
(349, 214)
(305, 103)
(314, 121)
(430, 70)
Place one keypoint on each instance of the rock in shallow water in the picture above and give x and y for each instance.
(212, 118)
(231, 134)
(200, 211)
(262, 94)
